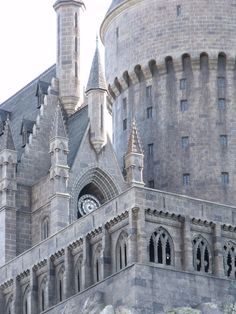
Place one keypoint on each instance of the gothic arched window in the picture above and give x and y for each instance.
(9, 305)
(26, 302)
(60, 284)
(78, 272)
(161, 248)
(45, 228)
(201, 255)
(230, 259)
(97, 263)
(121, 251)
(42, 295)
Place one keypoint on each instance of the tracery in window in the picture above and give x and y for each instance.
(121, 251)
(201, 255)
(230, 259)
(161, 248)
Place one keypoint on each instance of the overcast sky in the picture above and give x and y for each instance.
(28, 40)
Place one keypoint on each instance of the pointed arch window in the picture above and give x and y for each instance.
(97, 263)
(161, 248)
(78, 272)
(60, 284)
(42, 295)
(230, 259)
(26, 303)
(9, 305)
(45, 228)
(121, 251)
(201, 255)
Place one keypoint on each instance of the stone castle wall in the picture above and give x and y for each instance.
(175, 75)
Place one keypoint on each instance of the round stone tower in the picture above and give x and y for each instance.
(170, 65)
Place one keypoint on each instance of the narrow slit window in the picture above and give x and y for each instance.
(76, 44)
(223, 140)
(150, 149)
(221, 82)
(225, 178)
(149, 112)
(124, 124)
(185, 142)
(186, 179)
(221, 104)
(178, 10)
(76, 20)
(149, 91)
(183, 105)
(183, 84)
(76, 69)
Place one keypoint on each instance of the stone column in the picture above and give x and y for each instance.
(132, 237)
(33, 292)
(69, 282)
(17, 295)
(142, 243)
(218, 263)
(50, 290)
(86, 264)
(106, 253)
(187, 245)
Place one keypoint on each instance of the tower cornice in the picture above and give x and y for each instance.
(68, 2)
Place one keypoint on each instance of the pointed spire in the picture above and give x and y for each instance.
(96, 78)
(58, 127)
(7, 140)
(134, 145)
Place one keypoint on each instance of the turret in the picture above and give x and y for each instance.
(8, 187)
(59, 173)
(96, 92)
(68, 52)
(134, 159)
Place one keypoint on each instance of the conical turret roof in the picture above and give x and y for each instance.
(96, 78)
(134, 145)
(58, 128)
(6, 139)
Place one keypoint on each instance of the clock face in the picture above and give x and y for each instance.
(87, 204)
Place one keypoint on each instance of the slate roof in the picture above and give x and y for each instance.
(77, 125)
(96, 77)
(114, 4)
(22, 108)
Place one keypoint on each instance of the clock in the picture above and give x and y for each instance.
(87, 204)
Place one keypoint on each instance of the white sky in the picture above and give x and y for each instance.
(28, 40)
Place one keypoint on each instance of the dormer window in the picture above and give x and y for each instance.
(42, 90)
(26, 129)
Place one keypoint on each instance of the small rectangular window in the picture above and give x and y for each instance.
(149, 91)
(117, 32)
(124, 124)
(221, 82)
(223, 140)
(183, 84)
(221, 104)
(185, 142)
(151, 184)
(186, 179)
(178, 10)
(149, 112)
(225, 178)
(150, 149)
(183, 105)
(124, 104)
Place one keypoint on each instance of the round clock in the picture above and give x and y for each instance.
(87, 204)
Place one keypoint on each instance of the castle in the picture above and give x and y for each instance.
(143, 222)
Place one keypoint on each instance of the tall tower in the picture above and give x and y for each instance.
(68, 52)
(174, 73)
